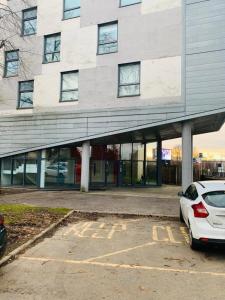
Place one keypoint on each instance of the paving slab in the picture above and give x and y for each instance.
(114, 258)
(118, 201)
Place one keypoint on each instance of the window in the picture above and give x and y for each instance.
(71, 9)
(11, 63)
(129, 2)
(26, 89)
(108, 38)
(29, 22)
(191, 192)
(52, 48)
(129, 80)
(69, 86)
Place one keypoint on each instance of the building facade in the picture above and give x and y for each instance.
(89, 89)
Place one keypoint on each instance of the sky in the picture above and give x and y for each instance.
(212, 145)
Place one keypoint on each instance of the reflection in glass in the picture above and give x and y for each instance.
(129, 80)
(107, 39)
(71, 9)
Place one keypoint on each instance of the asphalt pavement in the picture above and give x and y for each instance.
(116, 258)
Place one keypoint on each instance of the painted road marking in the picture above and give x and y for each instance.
(95, 230)
(122, 266)
(101, 230)
(167, 233)
(185, 234)
(121, 251)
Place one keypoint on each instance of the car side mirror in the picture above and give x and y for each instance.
(180, 194)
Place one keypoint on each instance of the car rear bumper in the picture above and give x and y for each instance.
(201, 229)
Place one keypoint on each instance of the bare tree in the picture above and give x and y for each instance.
(10, 26)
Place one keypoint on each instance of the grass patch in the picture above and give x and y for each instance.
(13, 213)
(25, 221)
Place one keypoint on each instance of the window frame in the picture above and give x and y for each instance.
(11, 60)
(45, 39)
(119, 85)
(28, 19)
(64, 10)
(117, 41)
(70, 90)
(19, 94)
(139, 1)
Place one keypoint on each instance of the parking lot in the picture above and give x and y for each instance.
(116, 258)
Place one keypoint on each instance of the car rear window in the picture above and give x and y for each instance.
(216, 199)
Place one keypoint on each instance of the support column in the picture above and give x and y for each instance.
(187, 155)
(85, 167)
(42, 169)
(159, 163)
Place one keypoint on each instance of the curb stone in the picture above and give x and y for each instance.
(12, 255)
(130, 215)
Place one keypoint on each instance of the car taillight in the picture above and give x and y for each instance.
(1, 220)
(200, 211)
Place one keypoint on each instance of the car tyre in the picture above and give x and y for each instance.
(194, 243)
(181, 216)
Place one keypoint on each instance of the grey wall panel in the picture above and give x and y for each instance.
(205, 55)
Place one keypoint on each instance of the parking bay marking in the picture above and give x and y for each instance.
(122, 266)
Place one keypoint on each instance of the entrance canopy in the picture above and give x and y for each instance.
(25, 133)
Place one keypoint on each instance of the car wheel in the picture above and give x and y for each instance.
(181, 216)
(194, 244)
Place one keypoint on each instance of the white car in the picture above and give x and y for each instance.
(202, 208)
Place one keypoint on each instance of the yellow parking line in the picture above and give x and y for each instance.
(123, 266)
(120, 251)
(185, 234)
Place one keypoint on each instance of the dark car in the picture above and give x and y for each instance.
(3, 236)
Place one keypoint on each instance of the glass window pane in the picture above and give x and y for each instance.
(138, 151)
(26, 99)
(26, 86)
(52, 44)
(72, 13)
(130, 74)
(129, 2)
(70, 4)
(11, 55)
(69, 96)
(107, 38)
(12, 68)
(28, 14)
(108, 48)
(126, 151)
(129, 90)
(29, 27)
(70, 81)
(107, 34)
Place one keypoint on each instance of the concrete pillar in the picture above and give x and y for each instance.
(159, 162)
(42, 169)
(85, 167)
(187, 155)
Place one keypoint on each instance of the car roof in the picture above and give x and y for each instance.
(212, 185)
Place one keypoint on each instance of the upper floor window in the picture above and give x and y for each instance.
(108, 38)
(129, 80)
(52, 48)
(26, 89)
(11, 63)
(29, 21)
(71, 9)
(69, 86)
(129, 2)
